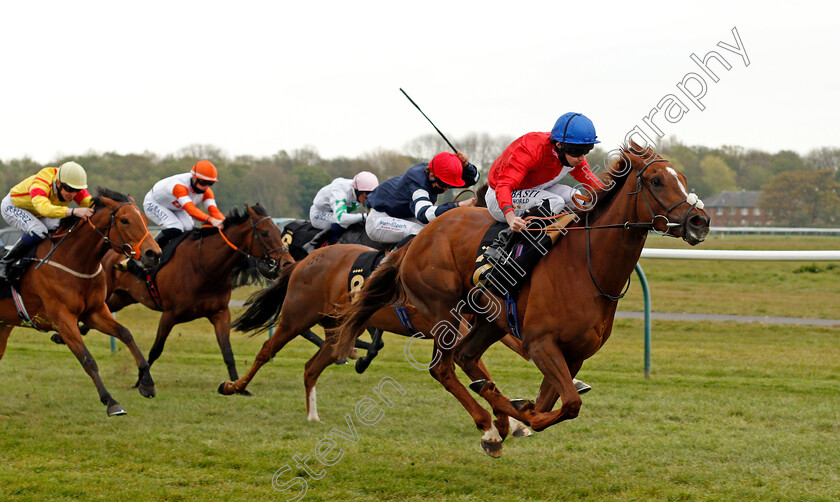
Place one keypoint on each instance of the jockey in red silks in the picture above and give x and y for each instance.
(528, 172)
(525, 181)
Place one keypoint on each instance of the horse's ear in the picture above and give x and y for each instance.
(131, 199)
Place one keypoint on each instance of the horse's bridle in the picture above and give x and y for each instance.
(649, 226)
(123, 247)
(640, 182)
(266, 258)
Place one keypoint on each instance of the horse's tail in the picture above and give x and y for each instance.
(480, 195)
(265, 305)
(383, 287)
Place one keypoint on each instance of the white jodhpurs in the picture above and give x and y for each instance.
(166, 217)
(25, 220)
(321, 220)
(559, 196)
(389, 230)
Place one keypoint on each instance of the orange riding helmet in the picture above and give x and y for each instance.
(205, 170)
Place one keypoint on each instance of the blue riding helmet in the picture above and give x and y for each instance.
(574, 129)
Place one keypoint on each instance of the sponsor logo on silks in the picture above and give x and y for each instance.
(388, 225)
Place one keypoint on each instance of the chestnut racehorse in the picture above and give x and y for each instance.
(308, 293)
(197, 281)
(565, 309)
(67, 285)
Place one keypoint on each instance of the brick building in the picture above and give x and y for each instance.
(736, 209)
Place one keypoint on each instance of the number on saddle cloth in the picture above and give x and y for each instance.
(364, 265)
(297, 234)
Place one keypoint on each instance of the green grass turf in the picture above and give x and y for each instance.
(731, 412)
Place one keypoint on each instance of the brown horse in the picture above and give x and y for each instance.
(68, 286)
(197, 281)
(307, 293)
(565, 309)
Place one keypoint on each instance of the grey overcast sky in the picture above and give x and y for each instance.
(255, 77)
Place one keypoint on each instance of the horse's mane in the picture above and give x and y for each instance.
(244, 271)
(617, 175)
(481, 194)
(232, 219)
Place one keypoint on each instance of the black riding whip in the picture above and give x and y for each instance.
(430, 121)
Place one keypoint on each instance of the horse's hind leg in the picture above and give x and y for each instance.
(467, 354)
(313, 369)
(375, 344)
(221, 325)
(444, 372)
(73, 339)
(282, 335)
(103, 321)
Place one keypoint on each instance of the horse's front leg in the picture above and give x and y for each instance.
(5, 331)
(67, 326)
(557, 380)
(103, 321)
(221, 325)
(282, 335)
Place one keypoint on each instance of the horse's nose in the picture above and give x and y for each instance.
(698, 221)
(152, 257)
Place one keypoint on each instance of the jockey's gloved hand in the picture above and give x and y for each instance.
(462, 158)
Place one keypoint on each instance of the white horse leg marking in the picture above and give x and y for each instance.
(492, 435)
(518, 429)
(313, 407)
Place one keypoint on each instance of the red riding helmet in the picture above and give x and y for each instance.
(205, 170)
(447, 168)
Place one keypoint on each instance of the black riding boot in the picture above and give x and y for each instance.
(509, 271)
(166, 235)
(17, 252)
(319, 239)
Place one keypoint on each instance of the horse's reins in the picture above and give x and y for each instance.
(271, 262)
(650, 226)
(124, 247)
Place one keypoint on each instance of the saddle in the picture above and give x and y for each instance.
(298, 233)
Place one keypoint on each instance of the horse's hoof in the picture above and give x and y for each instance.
(492, 448)
(362, 364)
(116, 410)
(520, 404)
(340, 362)
(245, 392)
(147, 390)
(56, 339)
(223, 389)
(581, 387)
(478, 385)
(524, 432)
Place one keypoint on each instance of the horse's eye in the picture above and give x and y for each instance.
(264, 234)
(124, 221)
(656, 182)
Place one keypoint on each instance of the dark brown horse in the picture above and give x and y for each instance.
(567, 306)
(68, 286)
(307, 293)
(197, 281)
